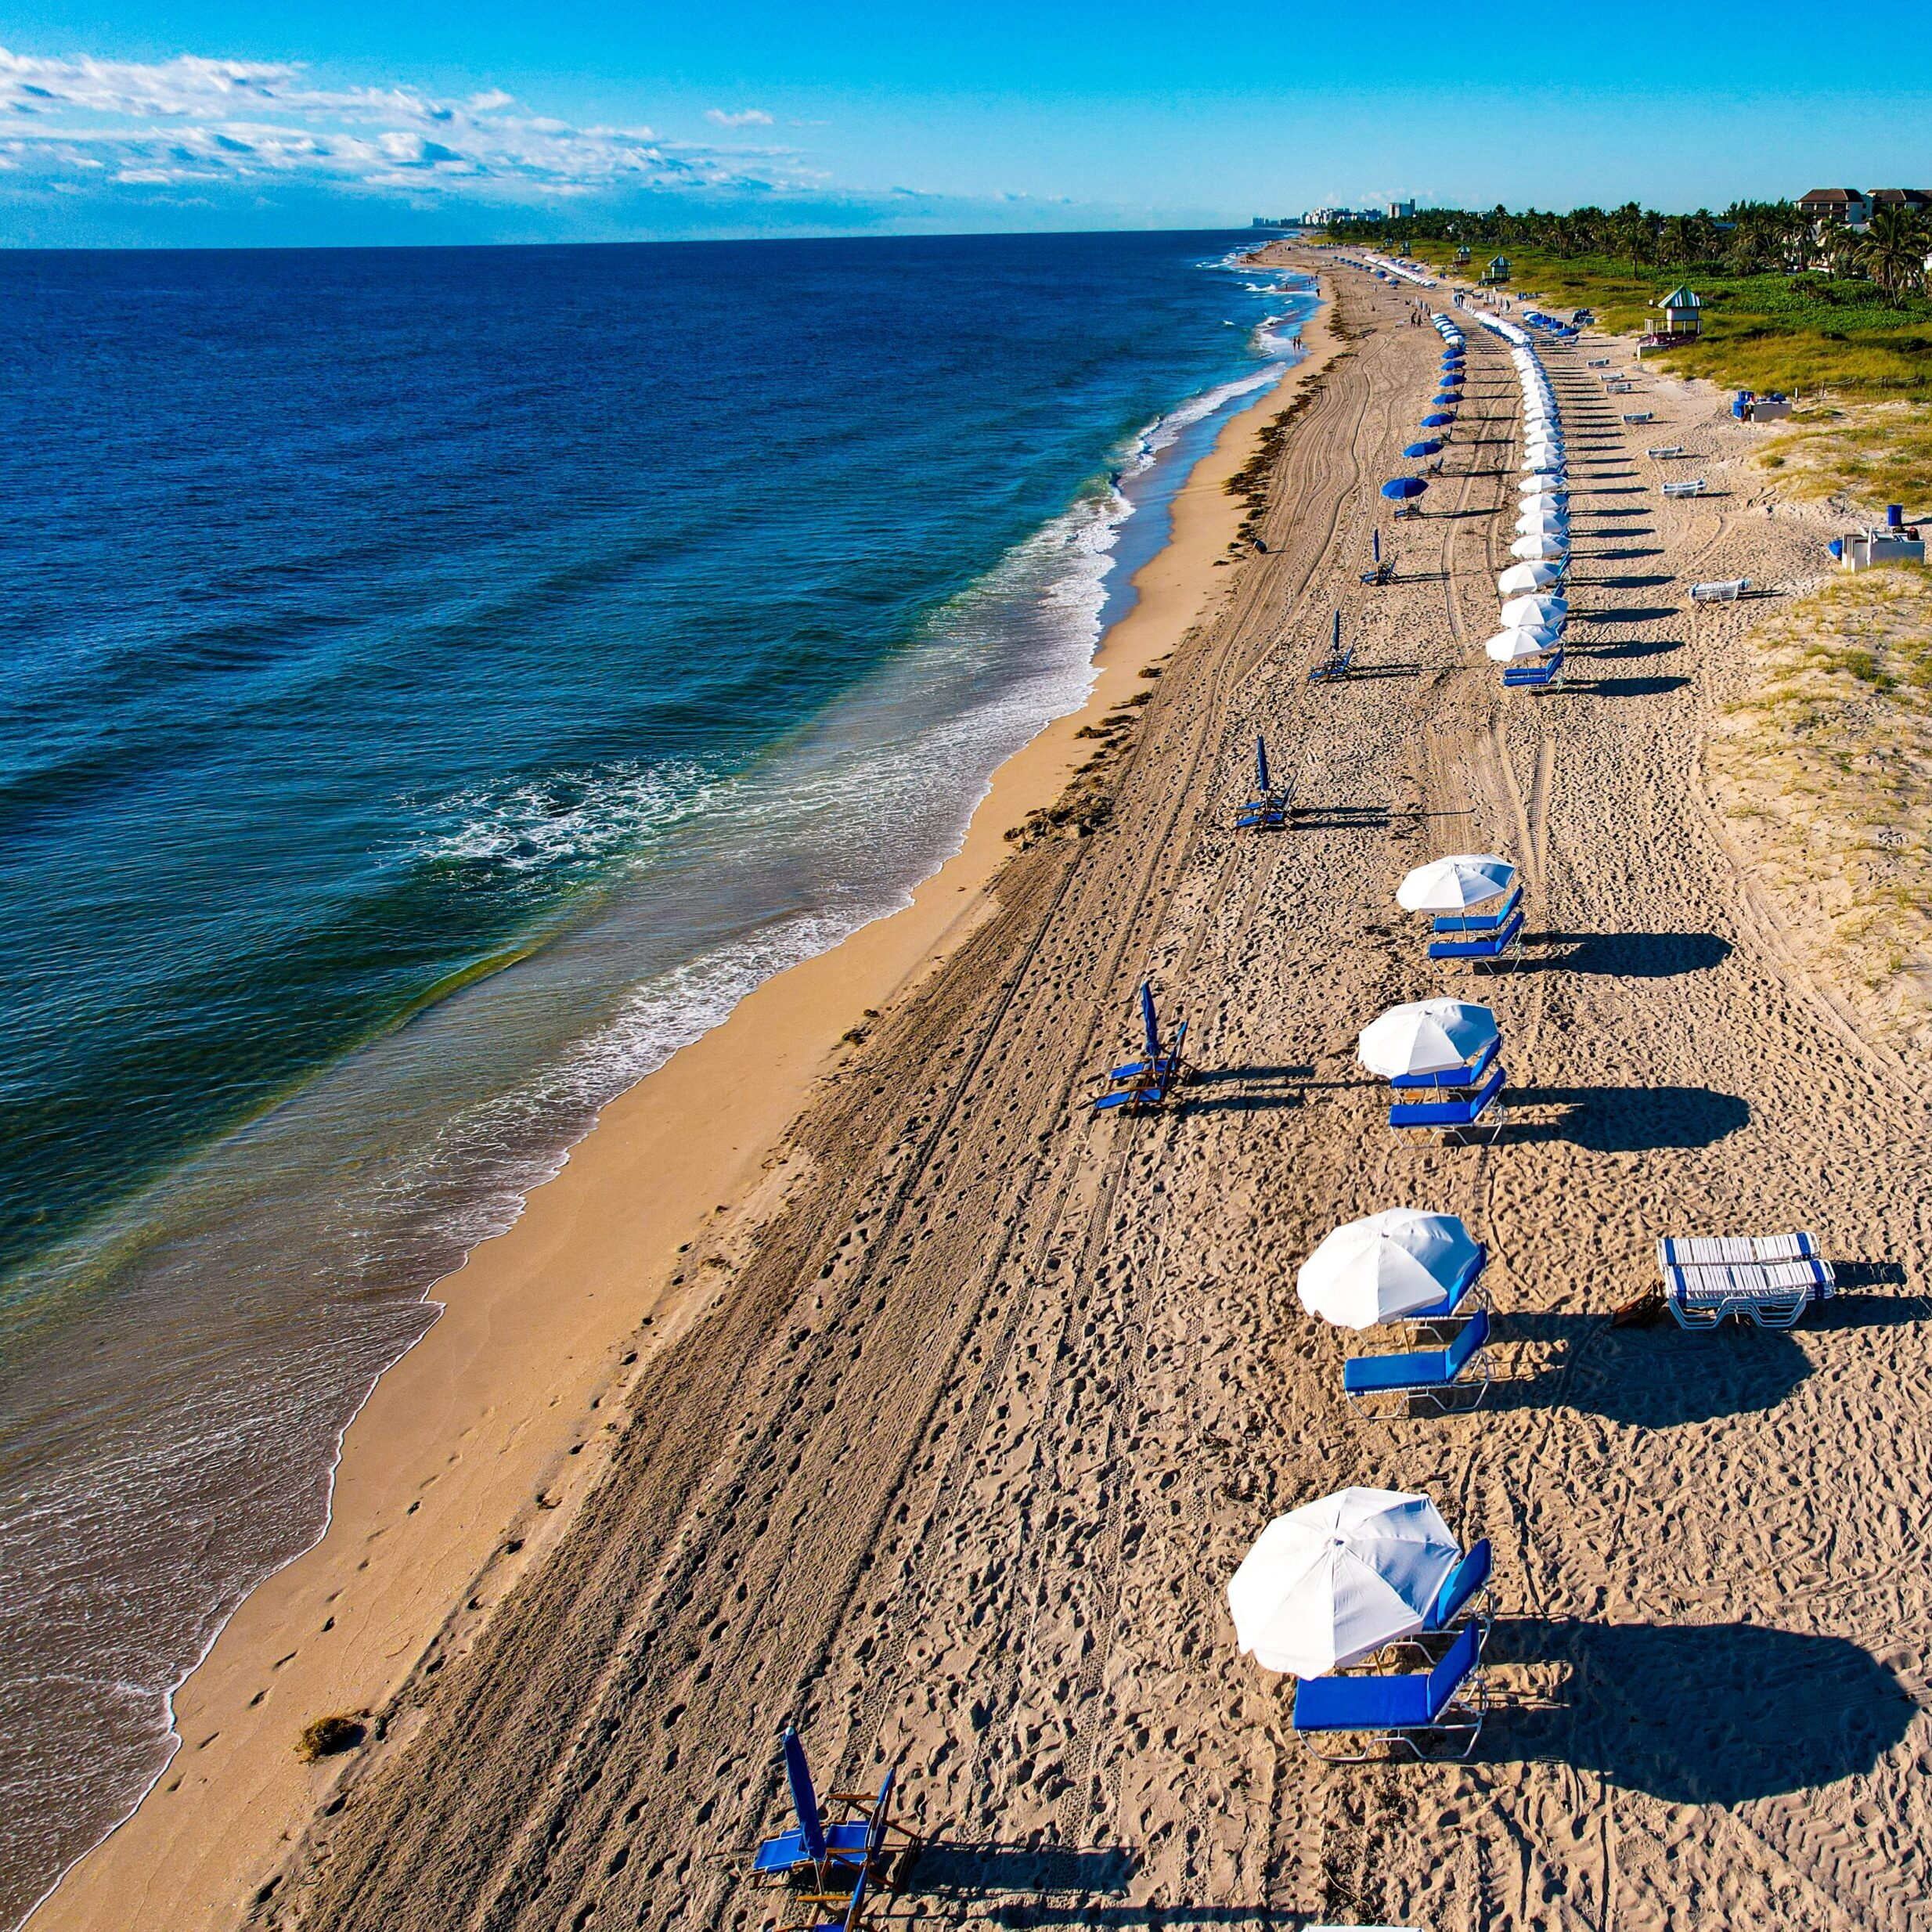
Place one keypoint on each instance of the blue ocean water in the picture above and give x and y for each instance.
(437, 684)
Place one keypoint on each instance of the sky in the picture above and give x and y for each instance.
(211, 122)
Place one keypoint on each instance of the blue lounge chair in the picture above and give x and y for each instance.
(1472, 1073)
(1444, 1702)
(1269, 809)
(1466, 1587)
(1547, 676)
(833, 1859)
(1459, 923)
(1481, 947)
(1458, 1116)
(1390, 1388)
(1333, 668)
(1147, 1083)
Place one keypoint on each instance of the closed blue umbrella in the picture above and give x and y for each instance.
(1427, 448)
(1438, 420)
(1400, 488)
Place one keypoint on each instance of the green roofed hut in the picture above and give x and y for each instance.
(1682, 313)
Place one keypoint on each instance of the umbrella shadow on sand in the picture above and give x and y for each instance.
(1633, 955)
(1654, 1377)
(1718, 1714)
(1624, 1119)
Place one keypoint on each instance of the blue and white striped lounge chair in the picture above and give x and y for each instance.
(1482, 948)
(1460, 1116)
(1768, 1279)
(1460, 923)
(1546, 676)
(1392, 1388)
(1435, 1712)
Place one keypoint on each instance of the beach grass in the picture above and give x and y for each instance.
(1822, 771)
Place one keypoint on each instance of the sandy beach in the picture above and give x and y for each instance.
(956, 1407)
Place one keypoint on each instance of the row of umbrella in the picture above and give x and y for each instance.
(1331, 1582)
(1533, 608)
(1440, 415)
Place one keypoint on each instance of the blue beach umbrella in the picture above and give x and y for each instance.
(1399, 489)
(1426, 448)
(1447, 400)
(1438, 421)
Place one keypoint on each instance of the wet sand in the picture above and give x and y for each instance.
(493, 1432)
(985, 1398)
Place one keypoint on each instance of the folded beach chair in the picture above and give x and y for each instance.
(1459, 1117)
(1640, 416)
(1427, 1381)
(1547, 676)
(1462, 923)
(1691, 486)
(1664, 451)
(1427, 1713)
(1768, 1279)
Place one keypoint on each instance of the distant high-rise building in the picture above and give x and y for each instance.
(1401, 210)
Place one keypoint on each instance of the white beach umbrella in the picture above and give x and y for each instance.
(1333, 1580)
(1519, 643)
(1540, 509)
(1542, 466)
(1425, 1036)
(1542, 523)
(1455, 883)
(1385, 1267)
(1527, 576)
(1543, 608)
(1538, 486)
(1551, 545)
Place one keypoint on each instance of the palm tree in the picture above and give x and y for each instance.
(1892, 251)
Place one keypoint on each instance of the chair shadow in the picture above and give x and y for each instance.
(1715, 1714)
(1641, 614)
(1633, 955)
(1270, 1089)
(1619, 556)
(1625, 1119)
(1369, 672)
(1618, 583)
(966, 1871)
(1630, 687)
(1640, 647)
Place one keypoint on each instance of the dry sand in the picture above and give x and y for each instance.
(991, 1396)
(493, 1430)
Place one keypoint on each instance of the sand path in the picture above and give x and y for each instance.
(955, 1471)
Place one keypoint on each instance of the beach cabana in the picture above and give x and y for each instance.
(1332, 1582)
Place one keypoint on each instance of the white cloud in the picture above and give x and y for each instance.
(191, 119)
(745, 117)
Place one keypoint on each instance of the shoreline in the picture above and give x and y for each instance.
(495, 1412)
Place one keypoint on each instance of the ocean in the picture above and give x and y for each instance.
(438, 684)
